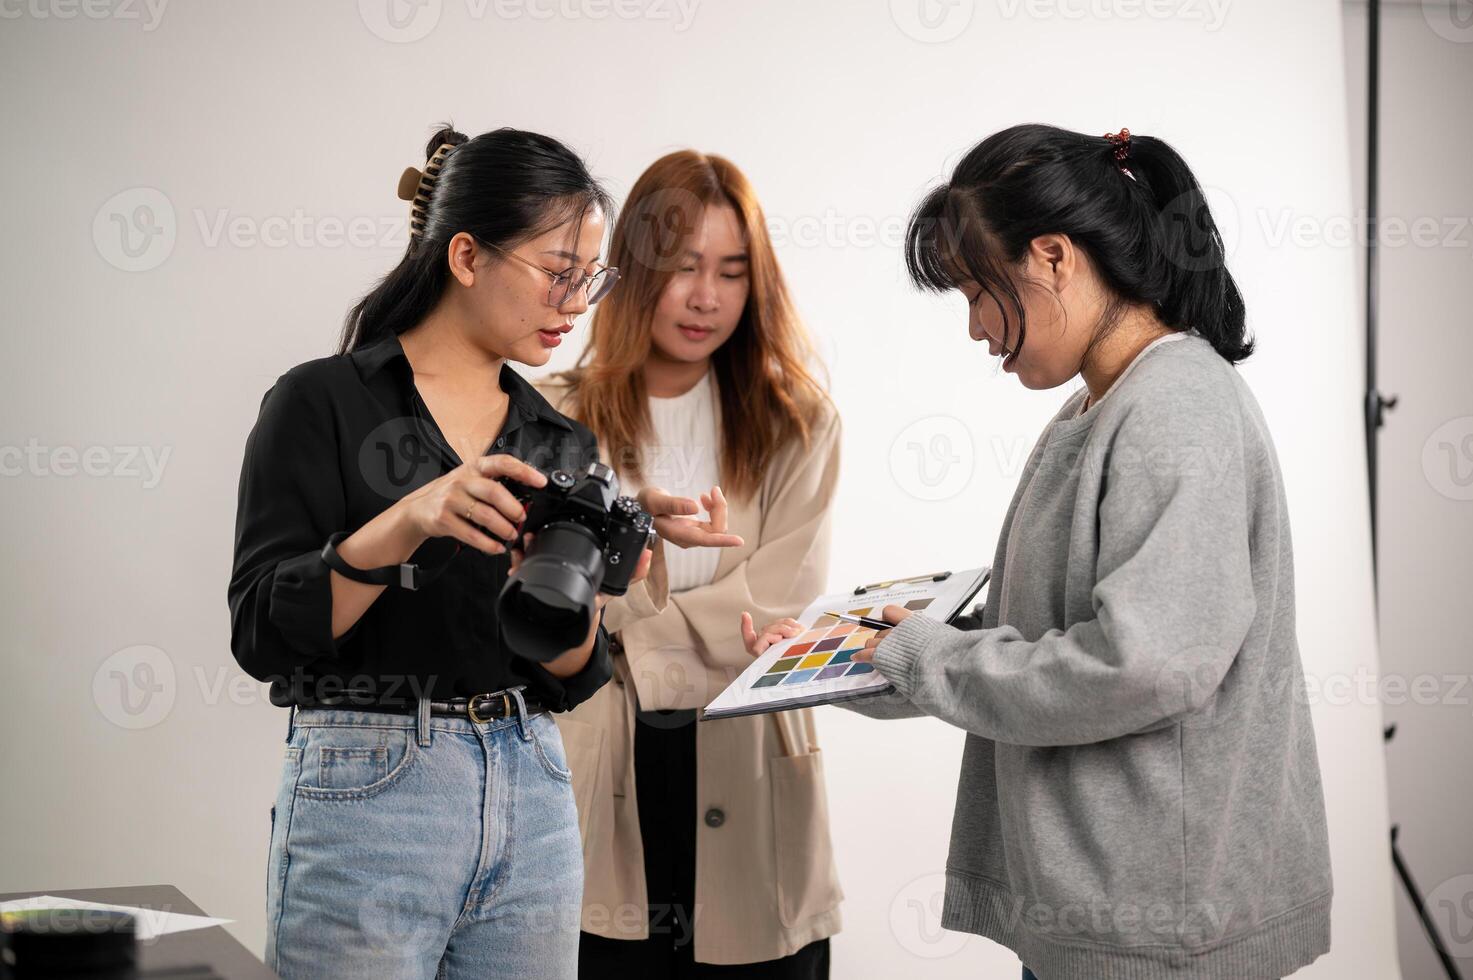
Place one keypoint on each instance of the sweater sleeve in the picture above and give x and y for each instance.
(892, 706)
(1173, 601)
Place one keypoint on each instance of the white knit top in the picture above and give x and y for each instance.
(682, 458)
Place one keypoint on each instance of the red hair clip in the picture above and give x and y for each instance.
(1121, 141)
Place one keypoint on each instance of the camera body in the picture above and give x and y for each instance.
(586, 539)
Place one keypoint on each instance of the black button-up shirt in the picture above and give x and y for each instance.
(337, 441)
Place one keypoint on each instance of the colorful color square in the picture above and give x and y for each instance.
(918, 604)
(798, 650)
(799, 676)
(817, 660)
(770, 680)
(830, 644)
(783, 666)
(860, 669)
(828, 672)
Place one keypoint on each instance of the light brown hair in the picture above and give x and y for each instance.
(767, 393)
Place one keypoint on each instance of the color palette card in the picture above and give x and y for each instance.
(818, 666)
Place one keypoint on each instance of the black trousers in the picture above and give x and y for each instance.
(665, 783)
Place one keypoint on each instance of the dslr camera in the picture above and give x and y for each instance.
(586, 539)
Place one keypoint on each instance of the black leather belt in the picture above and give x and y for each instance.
(479, 708)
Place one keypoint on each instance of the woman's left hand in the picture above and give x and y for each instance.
(676, 520)
(757, 641)
(894, 615)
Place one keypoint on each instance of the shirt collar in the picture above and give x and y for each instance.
(389, 354)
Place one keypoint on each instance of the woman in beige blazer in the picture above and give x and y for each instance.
(704, 842)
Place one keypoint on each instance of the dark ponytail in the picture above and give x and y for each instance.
(1152, 238)
(503, 187)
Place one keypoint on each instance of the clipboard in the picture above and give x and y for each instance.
(816, 667)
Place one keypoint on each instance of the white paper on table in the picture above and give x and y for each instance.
(151, 923)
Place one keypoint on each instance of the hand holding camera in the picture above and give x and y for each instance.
(470, 501)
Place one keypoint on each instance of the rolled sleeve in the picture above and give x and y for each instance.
(566, 693)
(291, 500)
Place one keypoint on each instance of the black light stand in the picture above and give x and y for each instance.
(1377, 404)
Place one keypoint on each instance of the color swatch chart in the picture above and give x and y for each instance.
(818, 666)
(827, 649)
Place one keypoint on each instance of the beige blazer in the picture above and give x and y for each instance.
(765, 879)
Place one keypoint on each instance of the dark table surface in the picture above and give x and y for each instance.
(213, 950)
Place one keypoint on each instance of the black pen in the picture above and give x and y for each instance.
(874, 624)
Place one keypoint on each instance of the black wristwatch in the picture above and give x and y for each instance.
(405, 575)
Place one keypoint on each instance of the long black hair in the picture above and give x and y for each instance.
(1152, 238)
(503, 187)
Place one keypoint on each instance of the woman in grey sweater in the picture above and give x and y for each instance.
(1140, 796)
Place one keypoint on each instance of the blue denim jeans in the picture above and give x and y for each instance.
(419, 847)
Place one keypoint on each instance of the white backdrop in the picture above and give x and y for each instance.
(196, 193)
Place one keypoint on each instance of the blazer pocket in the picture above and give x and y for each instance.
(584, 745)
(807, 884)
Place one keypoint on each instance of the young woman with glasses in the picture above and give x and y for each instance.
(425, 823)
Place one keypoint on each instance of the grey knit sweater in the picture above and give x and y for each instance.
(1140, 795)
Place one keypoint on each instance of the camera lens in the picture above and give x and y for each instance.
(547, 605)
